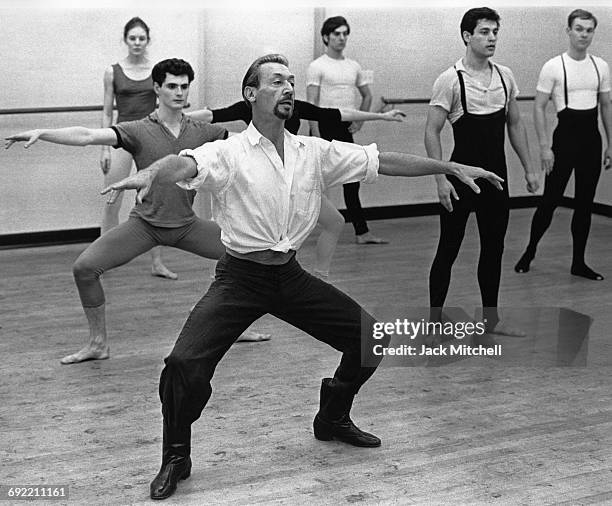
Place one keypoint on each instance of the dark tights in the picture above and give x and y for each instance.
(587, 164)
(492, 213)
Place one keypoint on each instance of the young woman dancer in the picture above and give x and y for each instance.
(128, 83)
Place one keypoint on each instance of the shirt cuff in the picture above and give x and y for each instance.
(541, 89)
(192, 183)
(438, 103)
(371, 151)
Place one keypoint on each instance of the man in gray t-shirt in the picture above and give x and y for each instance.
(165, 217)
(148, 140)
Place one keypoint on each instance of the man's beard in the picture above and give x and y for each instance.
(282, 114)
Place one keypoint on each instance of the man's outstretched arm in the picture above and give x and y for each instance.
(170, 169)
(71, 136)
(404, 164)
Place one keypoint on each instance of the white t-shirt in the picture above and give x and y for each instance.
(446, 91)
(582, 81)
(337, 80)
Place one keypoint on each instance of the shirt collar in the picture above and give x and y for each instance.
(460, 66)
(154, 116)
(254, 136)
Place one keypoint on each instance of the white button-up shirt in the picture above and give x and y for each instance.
(261, 203)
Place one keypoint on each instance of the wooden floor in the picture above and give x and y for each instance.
(470, 432)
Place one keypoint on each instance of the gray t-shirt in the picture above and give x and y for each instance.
(148, 140)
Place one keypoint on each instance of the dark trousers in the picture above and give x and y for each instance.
(242, 292)
(492, 214)
(339, 132)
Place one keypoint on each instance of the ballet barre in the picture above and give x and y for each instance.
(399, 101)
(44, 110)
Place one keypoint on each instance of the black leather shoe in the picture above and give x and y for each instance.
(343, 430)
(176, 468)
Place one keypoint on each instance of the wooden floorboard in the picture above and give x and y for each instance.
(467, 432)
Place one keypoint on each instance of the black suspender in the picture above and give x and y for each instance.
(462, 86)
(565, 80)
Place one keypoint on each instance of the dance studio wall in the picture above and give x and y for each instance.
(408, 48)
(57, 58)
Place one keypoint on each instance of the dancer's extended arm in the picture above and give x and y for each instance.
(71, 136)
(355, 115)
(169, 169)
(405, 164)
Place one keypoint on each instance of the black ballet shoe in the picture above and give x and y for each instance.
(523, 264)
(175, 469)
(585, 271)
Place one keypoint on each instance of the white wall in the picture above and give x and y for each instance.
(234, 39)
(56, 57)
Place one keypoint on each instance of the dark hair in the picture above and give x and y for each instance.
(174, 66)
(330, 24)
(470, 19)
(251, 78)
(132, 23)
(580, 14)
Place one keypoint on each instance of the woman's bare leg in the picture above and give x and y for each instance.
(332, 223)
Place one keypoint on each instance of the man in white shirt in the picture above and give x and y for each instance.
(578, 82)
(478, 98)
(266, 185)
(333, 80)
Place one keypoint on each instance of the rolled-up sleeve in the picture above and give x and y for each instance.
(213, 168)
(442, 91)
(546, 79)
(345, 162)
(313, 75)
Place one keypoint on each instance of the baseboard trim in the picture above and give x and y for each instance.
(82, 235)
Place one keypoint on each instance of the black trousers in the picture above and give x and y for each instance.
(242, 292)
(339, 132)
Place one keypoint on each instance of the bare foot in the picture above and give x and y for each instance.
(506, 330)
(253, 337)
(160, 270)
(368, 238)
(88, 353)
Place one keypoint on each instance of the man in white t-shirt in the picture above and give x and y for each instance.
(478, 98)
(333, 80)
(578, 82)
